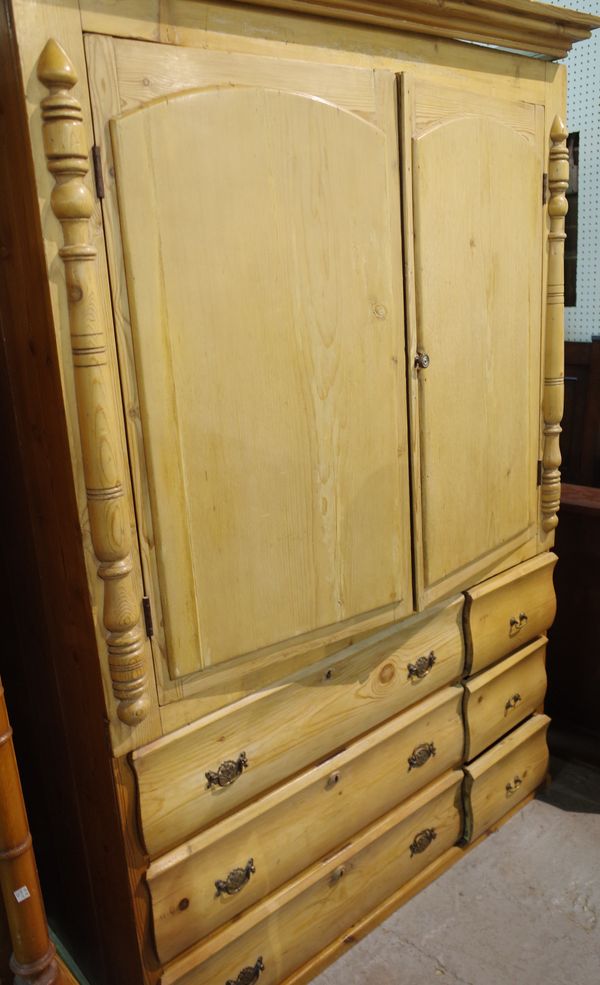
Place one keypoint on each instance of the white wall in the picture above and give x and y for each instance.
(583, 114)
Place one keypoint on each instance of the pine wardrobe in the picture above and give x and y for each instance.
(302, 273)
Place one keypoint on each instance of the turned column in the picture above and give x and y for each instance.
(553, 399)
(110, 511)
(33, 960)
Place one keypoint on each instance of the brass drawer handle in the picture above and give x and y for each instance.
(512, 787)
(227, 772)
(420, 755)
(248, 976)
(421, 667)
(422, 841)
(516, 625)
(236, 880)
(513, 702)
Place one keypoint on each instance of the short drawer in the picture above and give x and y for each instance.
(300, 919)
(191, 778)
(503, 613)
(210, 879)
(505, 774)
(504, 695)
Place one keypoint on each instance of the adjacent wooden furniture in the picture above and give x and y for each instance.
(299, 287)
(581, 424)
(33, 958)
(573, 698)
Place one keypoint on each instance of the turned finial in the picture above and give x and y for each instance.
(559, 131)
(54, 67)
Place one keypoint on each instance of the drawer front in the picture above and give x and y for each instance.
(504, 695)
(505, 775)
(307, 914)
(265, 738)
(262, 846)
(505, 612)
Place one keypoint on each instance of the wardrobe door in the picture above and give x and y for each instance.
(474, 178)
(260, 228)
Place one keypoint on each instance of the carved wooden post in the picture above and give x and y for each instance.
(66, 150)
(33, 960)
(558, 182)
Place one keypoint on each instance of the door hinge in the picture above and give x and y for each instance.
(540, 466)
(148, 617)
(98, 175)
(544, 188)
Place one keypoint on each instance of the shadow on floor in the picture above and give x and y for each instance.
(574, 786)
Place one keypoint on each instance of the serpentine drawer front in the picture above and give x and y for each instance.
(504, 695)
(278, 936)
(191, 778)
(504, 775)
(504, 612)
(208, 880)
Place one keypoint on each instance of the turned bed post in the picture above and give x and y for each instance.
(553, 399)
(33, 961)
(110, 511)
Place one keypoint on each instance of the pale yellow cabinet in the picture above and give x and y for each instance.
(255, 253)
(305, 267)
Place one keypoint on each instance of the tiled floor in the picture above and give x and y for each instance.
(521, 909)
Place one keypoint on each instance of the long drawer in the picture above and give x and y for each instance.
(210, 879)
(504, 695)
(293, 924)
(504, 775)
(507, 611)
(193, 777)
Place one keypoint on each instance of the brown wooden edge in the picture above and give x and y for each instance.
(54, 647)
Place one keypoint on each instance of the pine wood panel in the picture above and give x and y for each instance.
(310, 912)
(505, 774)
(501, 697)
(474, 313)
(144, 74)
(329, 703)
(345, 793)
(250, 373)
(509, 610)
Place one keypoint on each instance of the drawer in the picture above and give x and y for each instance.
(271, 840)
(504, 695)
(505, 775)
(268, 736)
(305, 915)
(503, 613)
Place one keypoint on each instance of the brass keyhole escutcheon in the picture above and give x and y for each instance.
(236, 880)
(422, 841)
(514, 786)
(338, 874)
(516, 624)
(421, 667)
(227, 773)
(420, 755)
(248, 976)
(513, 702)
